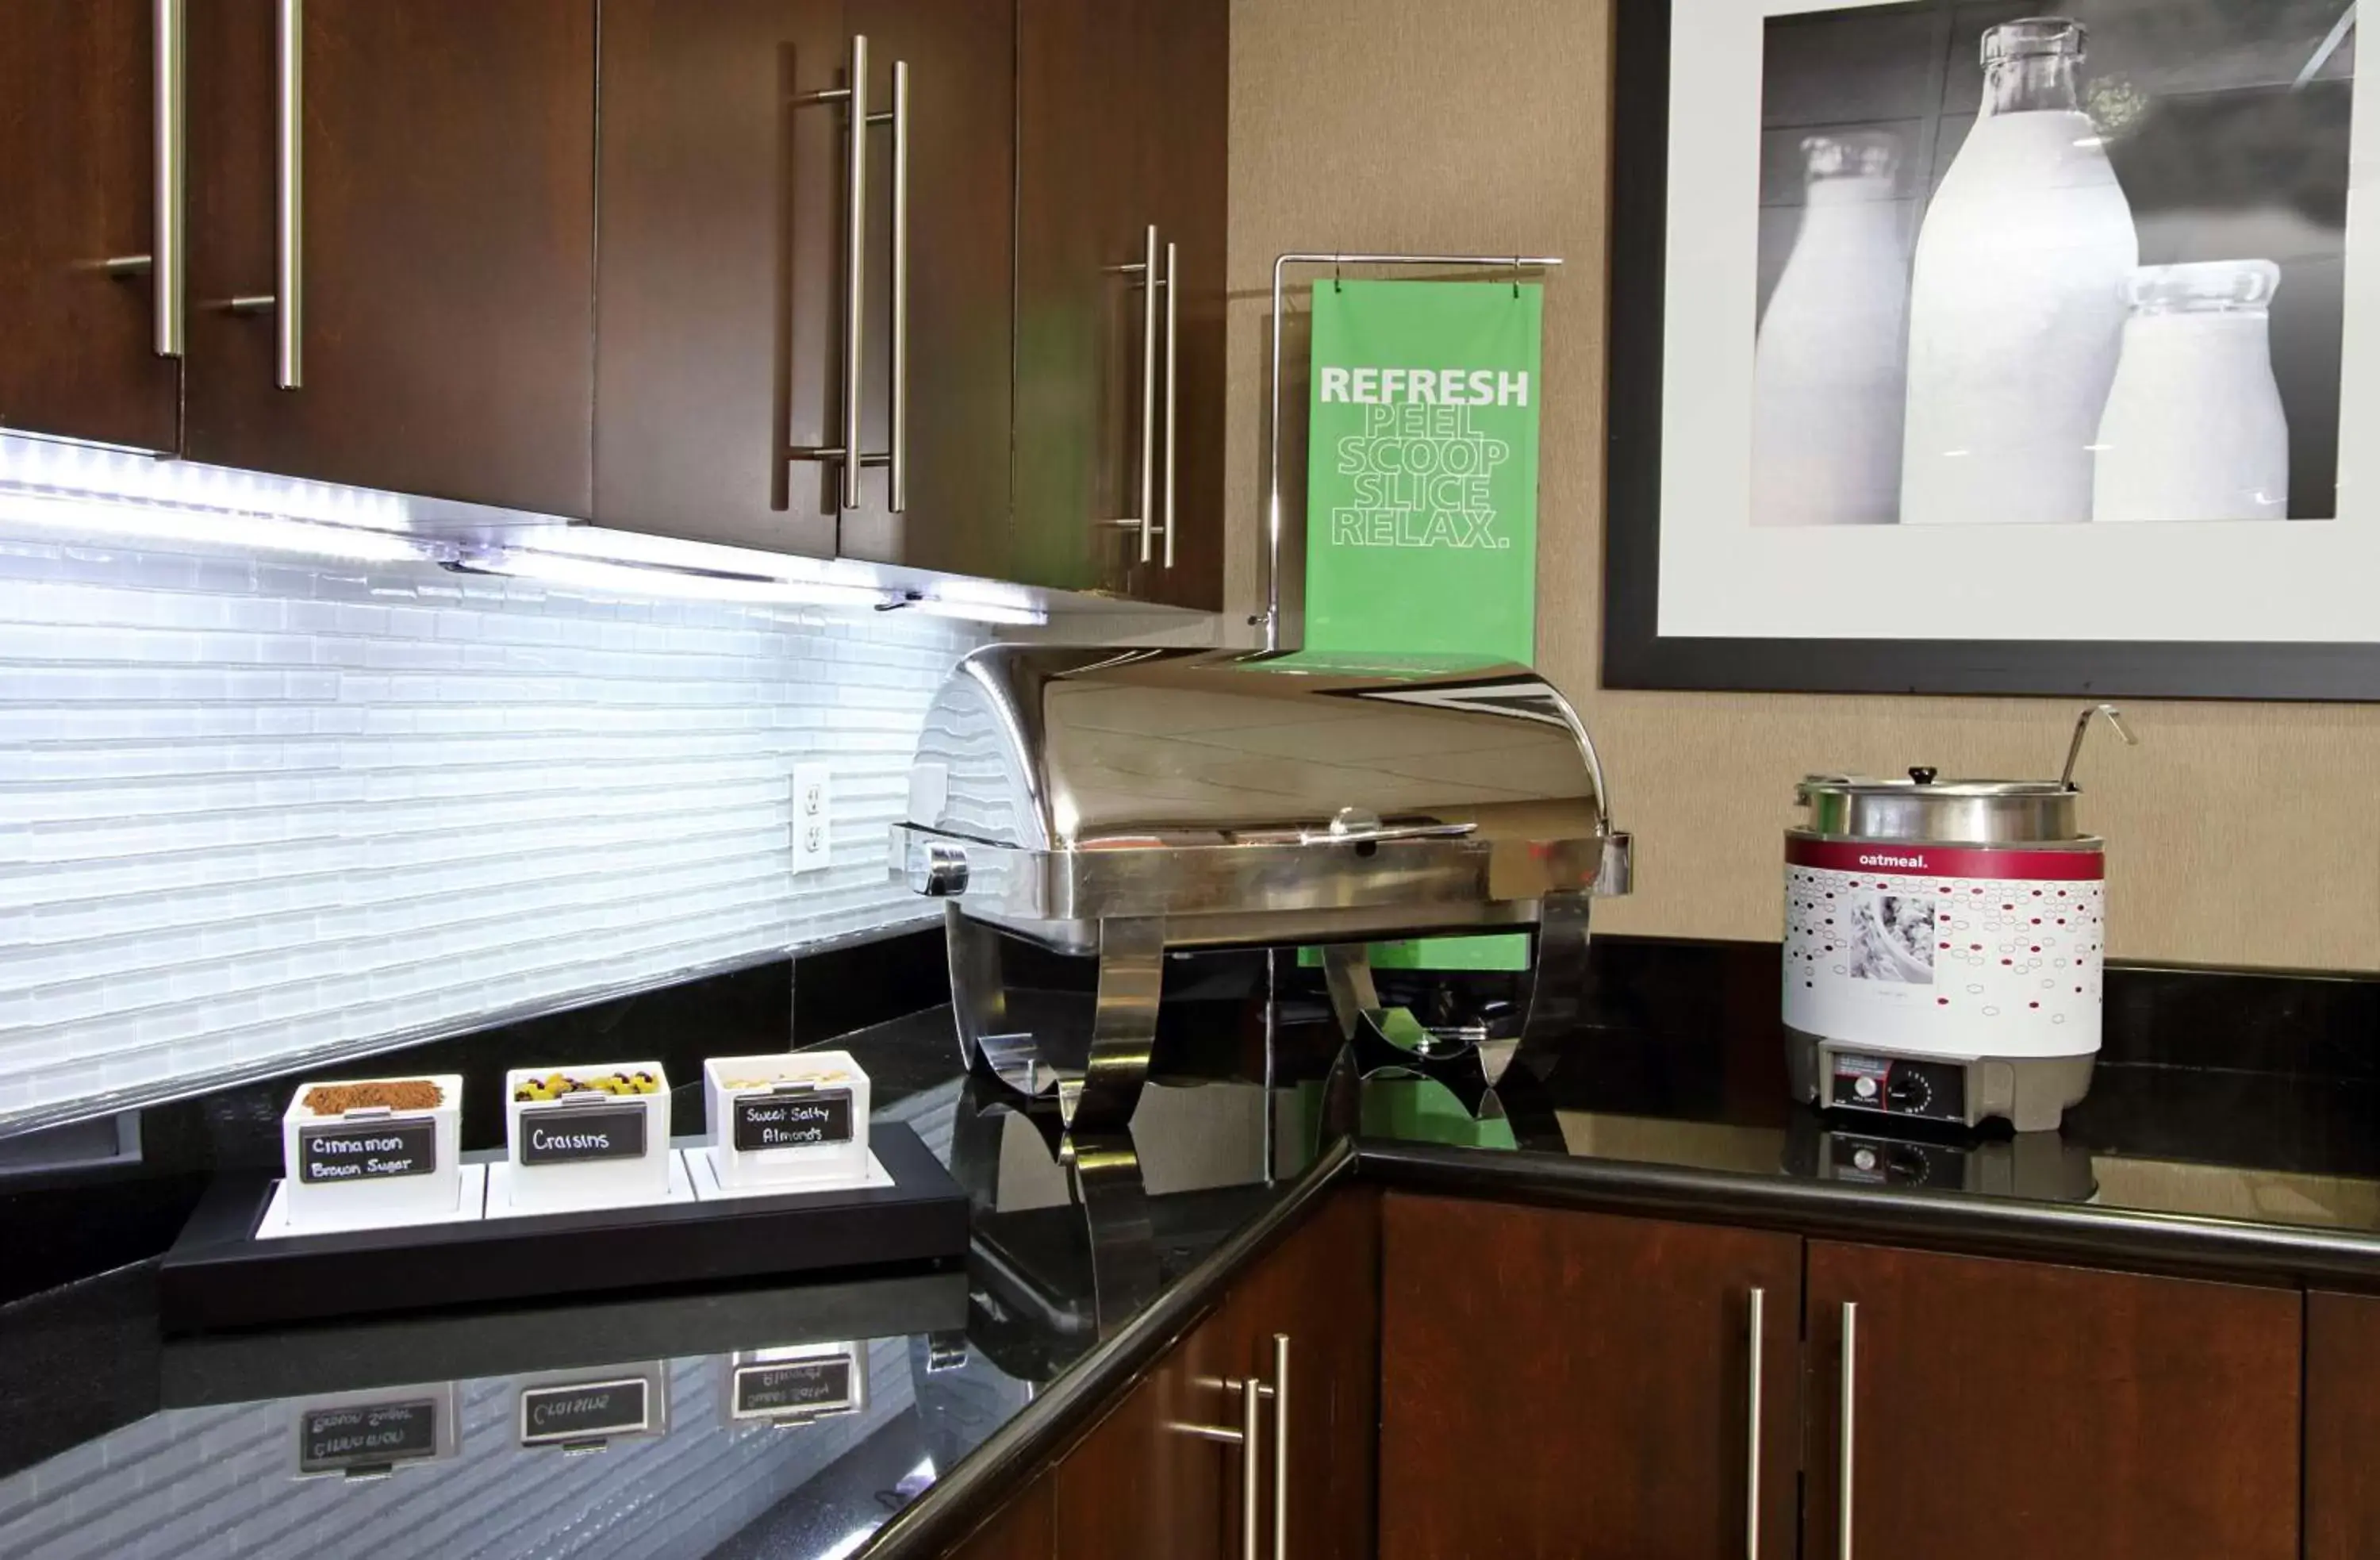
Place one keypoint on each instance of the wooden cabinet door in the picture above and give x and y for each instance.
(77, 182)
(1192, 160)
(2004, 1407)
(1142, 1482)
(1087, 185)
(1019, 1531)
(2342, 1427)
(961, 269)
(719, 308)
(1577, 1385)
(447, 228)
(1320, 1290)
(1121, 111)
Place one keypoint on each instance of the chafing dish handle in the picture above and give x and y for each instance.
(1378, 834)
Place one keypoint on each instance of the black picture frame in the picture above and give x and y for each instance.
(1637, 656)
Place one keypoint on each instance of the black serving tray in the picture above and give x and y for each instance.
(219, 1275)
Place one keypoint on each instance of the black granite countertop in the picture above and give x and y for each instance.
(117, 1441)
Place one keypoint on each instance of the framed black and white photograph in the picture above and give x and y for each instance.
(1964, 346)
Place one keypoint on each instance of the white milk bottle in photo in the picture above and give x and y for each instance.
(2016, 300)
(2194, 429)
(1828, 379)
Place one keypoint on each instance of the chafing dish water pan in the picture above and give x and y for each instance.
(1117, 804)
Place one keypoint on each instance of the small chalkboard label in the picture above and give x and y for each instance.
(367, 1151)
(792, 1118)
(785, 1388)
(565, 1134)
(367, 1436)
(583, 1411)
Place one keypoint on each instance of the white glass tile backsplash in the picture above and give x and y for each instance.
(249, 807)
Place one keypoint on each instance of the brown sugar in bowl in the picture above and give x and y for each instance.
(402, 1094)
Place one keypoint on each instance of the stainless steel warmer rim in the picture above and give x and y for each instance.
(2091, 843)
(1971, 812)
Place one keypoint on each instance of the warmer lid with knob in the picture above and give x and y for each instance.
(1922, 808)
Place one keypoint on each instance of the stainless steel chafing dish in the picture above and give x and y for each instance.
(1118, 804)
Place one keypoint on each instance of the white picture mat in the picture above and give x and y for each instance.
(2244, 581)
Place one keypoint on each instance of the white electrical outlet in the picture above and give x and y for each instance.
(813, 817)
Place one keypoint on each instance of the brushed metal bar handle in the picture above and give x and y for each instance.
(1251, 1465)
(289, 206)
(898, 474)
(855, 260)
(1172, 391)
(1280, 1445)
(1850, 1387)
(168, 272)
(1147, 390)
(1249, 1437)
(1755, 1310)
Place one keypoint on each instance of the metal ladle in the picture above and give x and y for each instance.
(2083, 727)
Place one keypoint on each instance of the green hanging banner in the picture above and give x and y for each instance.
(1421, 532)
(1421, 494)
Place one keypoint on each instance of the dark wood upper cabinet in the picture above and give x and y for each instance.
(2006, 1407)
(719, 288)
(1573, 1384)
(1121, 127)
(722, 276)
(77, 182)
(2342, 1427)
(962, 268)
(446, 151)
(1194, 92)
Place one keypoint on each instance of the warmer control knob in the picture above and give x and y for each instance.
(1909, 1091)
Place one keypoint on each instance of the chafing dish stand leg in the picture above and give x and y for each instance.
(1113, 1194)
(980, 1000)
(1556, 998)
(1123, 1028)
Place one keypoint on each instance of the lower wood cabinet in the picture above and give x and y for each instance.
(1153, 1481)
(2342, 1427)
(1019, 1531)
(2007, 1408)
(1560, 1383)
(1474, 1378)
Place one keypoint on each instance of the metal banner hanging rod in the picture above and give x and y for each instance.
(1512, 263)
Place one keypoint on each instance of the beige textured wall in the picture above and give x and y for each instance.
(2239, 834)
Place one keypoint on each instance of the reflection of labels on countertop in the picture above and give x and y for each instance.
(583, 1411)
(367, 1152)
(367, 1436)
(799, 1387)
(794, 1119)
(564, 1134)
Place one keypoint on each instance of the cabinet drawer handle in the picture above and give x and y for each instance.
(1280, 1396)
(1142, 519)
(897, 455)
(289, 206)
(1755, 1309)
(173, 166)
(849, 458)
(1851, 1384)
(1172, 399)
(1248, 1436)
(854, 264)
